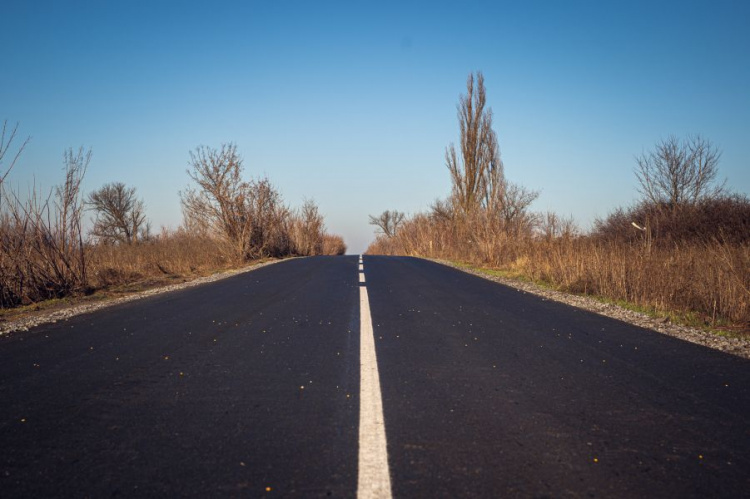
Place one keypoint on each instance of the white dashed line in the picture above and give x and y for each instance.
(374, 476)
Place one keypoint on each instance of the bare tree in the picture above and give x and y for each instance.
(679, 172)
(120, 215)
(478, 171)
(388, 222)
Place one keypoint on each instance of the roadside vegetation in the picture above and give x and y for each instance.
(50, 250)
(681, 251)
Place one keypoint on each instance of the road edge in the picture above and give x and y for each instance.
(26, 323)
(734, 346)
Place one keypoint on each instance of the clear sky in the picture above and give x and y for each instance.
(353, 103)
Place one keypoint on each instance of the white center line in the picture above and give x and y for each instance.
(374, 476)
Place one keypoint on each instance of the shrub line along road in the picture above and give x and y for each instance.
(250, 387)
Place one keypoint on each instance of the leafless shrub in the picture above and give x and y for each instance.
(268, 221)
(388, 222)
(307, 230)
(120, 215)
(42, 252)
(514, 209)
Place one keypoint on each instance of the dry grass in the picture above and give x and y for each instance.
(27, 277)
(168, 256)
(707, 282)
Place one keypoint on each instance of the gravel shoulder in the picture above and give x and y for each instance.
(33, 319)
(732, 345)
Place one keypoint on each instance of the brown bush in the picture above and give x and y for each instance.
(725, 218)
(333, 245)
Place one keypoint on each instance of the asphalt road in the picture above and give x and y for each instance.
(250, 387)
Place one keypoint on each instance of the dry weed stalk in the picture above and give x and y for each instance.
(42, 252)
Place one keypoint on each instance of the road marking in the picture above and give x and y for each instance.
(361, 277)
(374, 478)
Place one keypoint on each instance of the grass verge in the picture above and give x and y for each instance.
(692, 319)
(113, 292)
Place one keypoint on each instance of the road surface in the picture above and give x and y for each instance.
(252, 387)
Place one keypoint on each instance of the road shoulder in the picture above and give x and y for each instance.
(83, 306)
(732, 345)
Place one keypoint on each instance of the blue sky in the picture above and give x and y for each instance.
(353, 103)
